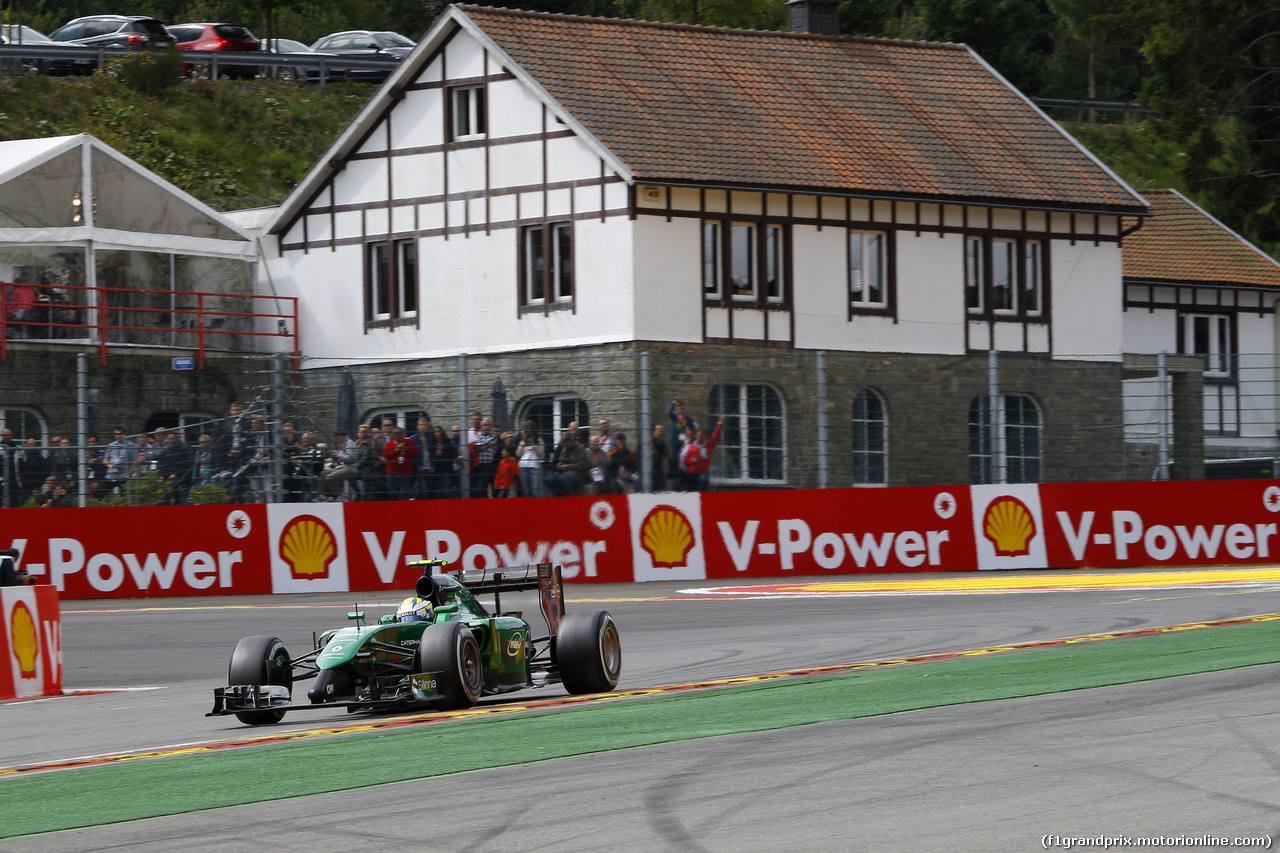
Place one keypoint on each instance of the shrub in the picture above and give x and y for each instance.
(145, 72)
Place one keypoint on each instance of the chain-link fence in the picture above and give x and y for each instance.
(142, 429)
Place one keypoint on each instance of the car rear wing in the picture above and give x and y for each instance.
(544, 577)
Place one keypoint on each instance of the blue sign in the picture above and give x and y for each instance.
(184, 364)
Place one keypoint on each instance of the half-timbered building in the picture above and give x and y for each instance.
(1199, 311)
(848, 246)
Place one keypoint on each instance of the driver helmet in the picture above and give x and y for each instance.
(414, 609)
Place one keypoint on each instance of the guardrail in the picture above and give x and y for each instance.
(108, 316)
(1084, 106)
(31, 59)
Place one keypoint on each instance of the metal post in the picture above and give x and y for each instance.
(645, 438)
(464, 475)
(82, 425)
(1166, 417)
(996, 418)
(823, 469)
(275, 416)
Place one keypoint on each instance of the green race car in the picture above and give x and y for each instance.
(444, 649)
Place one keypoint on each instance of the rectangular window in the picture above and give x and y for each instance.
(1209, 336)
(773, 263)
(868, 275)
(711, 260)
(392, 288)
(1005, 278)
(547, 261)
(469, 119)
(1003, 269)
(1032, 272)
(973, 274)
(407, 276)
(380, 279)
(742, 260)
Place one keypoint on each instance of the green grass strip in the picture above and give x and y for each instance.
(130, 791)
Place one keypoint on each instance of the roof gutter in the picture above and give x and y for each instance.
(910, 198)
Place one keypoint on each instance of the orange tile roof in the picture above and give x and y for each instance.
(702, 105)
(1181, 242)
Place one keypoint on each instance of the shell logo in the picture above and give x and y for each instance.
(22, 630)
(667, 536)
(308, 546)
(1010, 527)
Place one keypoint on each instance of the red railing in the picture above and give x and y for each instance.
(119, 316)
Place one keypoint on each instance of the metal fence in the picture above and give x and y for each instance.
(787, 419)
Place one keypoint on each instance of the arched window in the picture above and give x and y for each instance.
(870, 440)
(551, 414)
(1017, 448)
(753, 445)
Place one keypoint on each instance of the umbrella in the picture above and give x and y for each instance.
(346, 417)
(499, 412)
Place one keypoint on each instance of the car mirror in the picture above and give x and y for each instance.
(446, 608)
(387, 619)
(355, 615)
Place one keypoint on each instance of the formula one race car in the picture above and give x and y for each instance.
(443, 649)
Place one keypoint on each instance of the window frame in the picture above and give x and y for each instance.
(1008, 441)
(737, 408)
(468, 113)
(1026, 288)
(886, 272)
(1221, 361)
(870, 452)
(564, 408)
(768, 268)
(553, 284)
(391, 282)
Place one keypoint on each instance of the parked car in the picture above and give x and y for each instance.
(229, 37)
(21, 34)
(136, 31)
(366, 44)
(310, 73)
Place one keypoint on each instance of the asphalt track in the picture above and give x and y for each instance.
(1193, 756)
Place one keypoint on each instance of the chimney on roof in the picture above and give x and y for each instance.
(820, 17)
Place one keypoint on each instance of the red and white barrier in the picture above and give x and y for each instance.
(217, 550)
(31, 642)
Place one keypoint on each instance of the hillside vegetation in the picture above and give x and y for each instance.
(1209, 68)
(230, 144)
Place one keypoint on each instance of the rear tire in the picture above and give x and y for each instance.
(450, 649)
(588, 652)
(260, 660)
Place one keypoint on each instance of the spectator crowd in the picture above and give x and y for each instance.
(380, 462)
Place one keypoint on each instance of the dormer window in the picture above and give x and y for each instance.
(469, 119)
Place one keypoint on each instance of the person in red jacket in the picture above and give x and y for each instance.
(399, 453)
(504, 482)
(695, 459)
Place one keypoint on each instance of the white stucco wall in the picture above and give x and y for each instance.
(1087, 294)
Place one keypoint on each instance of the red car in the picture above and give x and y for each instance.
(220, 37)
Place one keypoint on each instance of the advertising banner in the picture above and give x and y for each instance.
(1221, 522)
(338, 547)
(837, 531)
(31, 639)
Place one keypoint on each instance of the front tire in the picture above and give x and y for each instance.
(450, 649)
(588, 652)
(260, 660)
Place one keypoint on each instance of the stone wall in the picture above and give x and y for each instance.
(927, 399)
